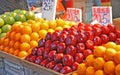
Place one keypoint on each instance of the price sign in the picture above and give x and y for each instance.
(102, 14)
(49, 9)
(74, 14)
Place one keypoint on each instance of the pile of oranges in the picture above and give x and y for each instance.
(23, 37)
(104, 61)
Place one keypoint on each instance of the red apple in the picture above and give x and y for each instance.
(80, 47)
(48, 44)
(81, 24)
(104, 38)
(28, 57)
(51, 55)
(67, 60)
(46, 51)
(74, 66)
(54, 45)
(81, 37)
(105, 29)
(117, 41)
(111, 27)
(58, 67)
(58, 57)
(40, 51)
(96, 25)
(112, 36)
(65, 70)
(33, 58)
(39, 59)
(97, 31)
(89, 44)
(118, 33)
(65, 29)
(97, 41)
(88, 28)
(44, 62)
(62, 37)
(79, 57)
(71, 50)
(50, 65)
(54, 36)
(72, 31)
(89, 35)
(41, 43)
(48, 36)
(87, 52)
(34, 51)
(71, 40)
(61, 48)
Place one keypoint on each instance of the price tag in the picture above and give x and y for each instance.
(74, 14)
(102, 14)
(49, 9)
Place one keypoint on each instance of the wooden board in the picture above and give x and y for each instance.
(34, 67)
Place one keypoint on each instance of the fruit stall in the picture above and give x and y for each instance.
(37, 46)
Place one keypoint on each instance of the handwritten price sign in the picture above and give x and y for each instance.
(49, 9)
(102, 14)
(74, 14)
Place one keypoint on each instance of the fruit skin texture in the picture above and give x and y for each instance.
(89, 60)
(66, 69)
(99, 51)
(117, 70)
(117, 58)
(81, 69)
(99, 72)
(90, 71)
(109, 67)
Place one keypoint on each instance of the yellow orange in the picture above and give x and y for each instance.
(90, 70)
(75, 73)
(109, 67)
(51, 30)
(89, 60)
(42, 33)
(66, 26)
(110, 45)
(99, 72)
(117, 70)
(34, 36)
(24, 46)
(60, 22)
(17, 45)
(11, 43)
(58, 28)
(98, 63)
(52, 24)
(35, 27)
(99, 51)
(25, 38)
(81, 69)
(26, 30)
(22, 54)
(17, 36)
(117, 48)
(117, 58)
(33, 44)
(44, 26)
(31, 21)
(109, 53)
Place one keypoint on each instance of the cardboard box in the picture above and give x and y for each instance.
(116, 22)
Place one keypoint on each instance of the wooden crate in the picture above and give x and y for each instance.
(26, 64)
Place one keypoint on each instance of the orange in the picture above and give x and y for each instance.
(31, 21)
(42, 33)
(58, 28)
(17, 36)
(89, 60)
(8, 34)
(98, 63)
(6, 41)
(25, 38)
(99, 72)
(16, 52)
(44, 26)
(51, 30)
(22, 54)
(6, 49)
(52, 24)
(16, 27)
(117, 70)
(2, 40)
(60, 22)
(109, 53)
(39, 20)
(29, 51)
(110, 45)
(24, 47)
(34, 36)
(17, 45)
(1, 47)
(25, 24)
(81, 69)
(109, 67)
(117, 58)
(12, 35)
(11, 43)
(35, 27)
(26, 30)
(117, 48)
(11, 51)
(90, 70)
(75, 73)
(99, 51)
(33, 44)
(66, 26)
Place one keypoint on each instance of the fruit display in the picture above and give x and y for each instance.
(25, 36)
(62, 51)
(104, 61)
(9, 18)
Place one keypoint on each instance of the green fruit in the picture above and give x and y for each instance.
(1, 22)
(6, 28)
(2, 35)
(3, 16)
(0, 30)
(21, 18)
(18, 22)
(13, 14)
(9, 20)
(30, 15)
